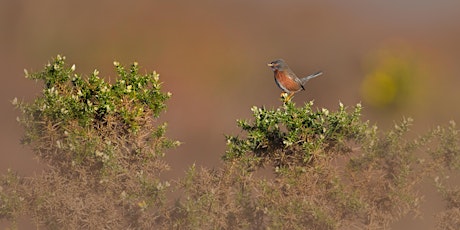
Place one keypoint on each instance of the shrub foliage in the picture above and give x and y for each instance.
(296, 136)
(102, 147)
(290, 167)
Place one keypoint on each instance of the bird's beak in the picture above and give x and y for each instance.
(270, 64)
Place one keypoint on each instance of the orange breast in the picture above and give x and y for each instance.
(286, 83)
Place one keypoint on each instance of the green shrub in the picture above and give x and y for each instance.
(82, 119)
(333, 170)
(297, 136)
(102, 146)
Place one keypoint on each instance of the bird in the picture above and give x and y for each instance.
(287, 80)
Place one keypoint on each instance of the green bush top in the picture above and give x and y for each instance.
(292, 135)
(68, 96)
(85, 119)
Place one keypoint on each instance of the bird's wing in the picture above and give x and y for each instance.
(293, 77)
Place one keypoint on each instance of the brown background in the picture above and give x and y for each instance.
(212, 56)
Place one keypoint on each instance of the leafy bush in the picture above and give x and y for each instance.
(296, 135)
(82, 120)
(102, 147)
(332, 170)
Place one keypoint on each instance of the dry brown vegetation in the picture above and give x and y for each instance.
(103, 150)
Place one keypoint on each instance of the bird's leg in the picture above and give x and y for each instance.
(289, 97)
(283, 96)
(286, 96)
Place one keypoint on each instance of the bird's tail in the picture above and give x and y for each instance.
(305, 79)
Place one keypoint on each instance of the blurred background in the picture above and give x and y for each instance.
(399, 58)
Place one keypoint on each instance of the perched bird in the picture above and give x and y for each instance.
(287, 80)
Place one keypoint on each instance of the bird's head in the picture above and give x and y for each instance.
(278, 65)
